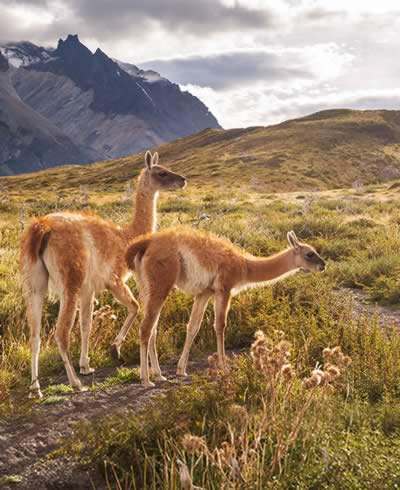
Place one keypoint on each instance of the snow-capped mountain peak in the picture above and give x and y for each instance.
(25, 53)
(149, 75)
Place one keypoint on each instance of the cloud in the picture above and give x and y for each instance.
(20, 21)
(230, 69)
(192, 17)
(226, 70)
(251, 61)
(260, 107)
(320, 14)
(33, 3)
(107, 20)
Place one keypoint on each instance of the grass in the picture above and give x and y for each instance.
(260, 425)
(357, 231)
(54, 390)
(52, 400)
(10, 480)
(122, 376)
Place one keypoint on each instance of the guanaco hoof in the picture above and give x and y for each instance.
(148, 384)
(80, 388)
(35, 393)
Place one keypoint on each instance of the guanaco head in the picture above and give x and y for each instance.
(305, 256)
(160, 178)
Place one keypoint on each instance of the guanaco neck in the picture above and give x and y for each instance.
(145, 209)
(270, 268)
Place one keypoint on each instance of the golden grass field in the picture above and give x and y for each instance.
(268, 422)
(292, 437)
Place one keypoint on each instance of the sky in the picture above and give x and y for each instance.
(252, 62)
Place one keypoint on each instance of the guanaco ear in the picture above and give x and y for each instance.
(148, 160)
(154, 160)
(292, 239)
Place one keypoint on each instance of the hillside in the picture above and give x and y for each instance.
(111, 107)
(329, 149)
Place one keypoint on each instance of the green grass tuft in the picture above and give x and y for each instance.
(52, 400)
(11, 480)
(60, 389)
(122, 375)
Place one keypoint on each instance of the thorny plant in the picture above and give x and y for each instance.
(103, 317)
(287, 403)
(83, 196)
(4, 195)
(307, 205)
(22, 218)
(128, 194)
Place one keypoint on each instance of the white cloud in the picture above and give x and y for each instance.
(355, 7)
(259, 107)
(251, 61)
(270, 67)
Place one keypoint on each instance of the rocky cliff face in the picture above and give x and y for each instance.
(28, 141)
(4, 65)
(112, 107)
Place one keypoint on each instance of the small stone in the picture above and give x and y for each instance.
(79, 403)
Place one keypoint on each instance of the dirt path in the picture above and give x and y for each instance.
(26, 442)
(386, 315)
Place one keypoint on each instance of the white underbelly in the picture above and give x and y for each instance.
(191, 287)
(97, 281)
(195, 278)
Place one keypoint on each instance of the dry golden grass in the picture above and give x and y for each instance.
(357, 230)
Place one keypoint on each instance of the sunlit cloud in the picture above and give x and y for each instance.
(252, 62)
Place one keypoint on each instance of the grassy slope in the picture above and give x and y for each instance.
(330, 149)
(306, 308)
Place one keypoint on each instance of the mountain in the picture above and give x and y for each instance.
(24, 53)
(28, 141)
(326, 150)
(112, 107)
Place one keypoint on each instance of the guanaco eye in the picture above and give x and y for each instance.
(310, 255)
(162, 174)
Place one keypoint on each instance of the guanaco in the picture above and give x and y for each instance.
(202, 265)
(78, 255)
